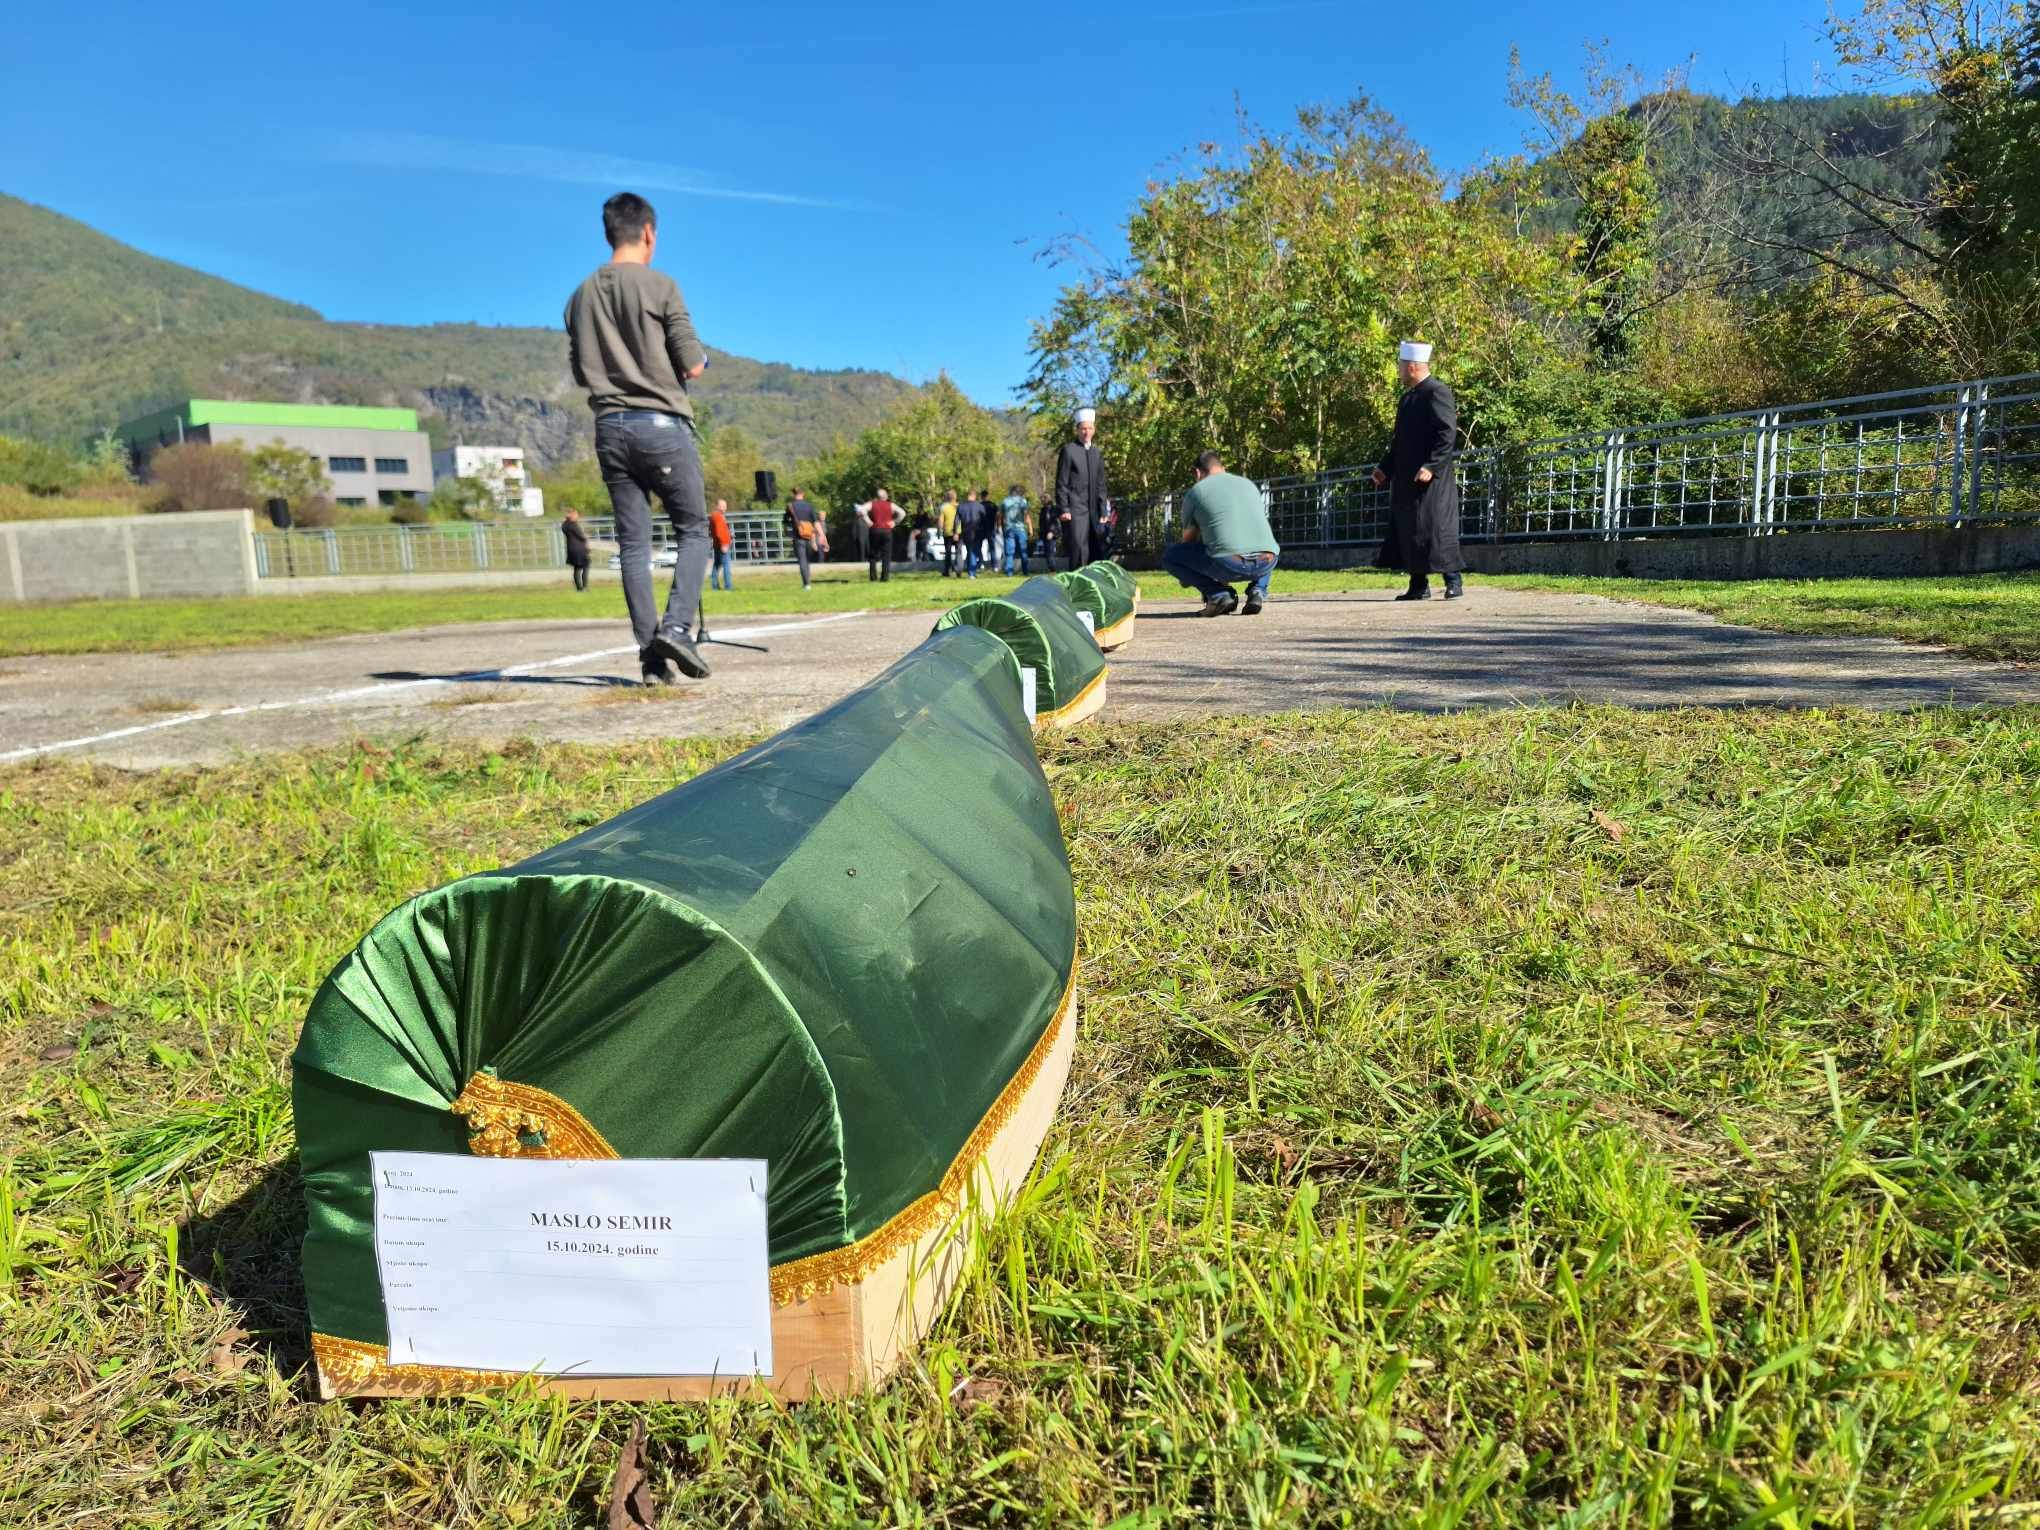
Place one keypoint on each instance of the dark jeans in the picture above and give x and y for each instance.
(881, 554)
(580, 576)
(1210, 575)
(643, 454)
(802, 552)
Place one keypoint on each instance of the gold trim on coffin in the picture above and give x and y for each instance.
(354, 1364)
(502, 1115)
(1049, 719)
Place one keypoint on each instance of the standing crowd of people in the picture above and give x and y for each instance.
(631, 344)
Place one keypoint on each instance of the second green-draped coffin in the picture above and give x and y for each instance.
(1110, 600)
(1040, 626)
(833, 952)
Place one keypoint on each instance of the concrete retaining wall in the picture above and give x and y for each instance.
(1791, 555)
(480, 579)
(206, 552)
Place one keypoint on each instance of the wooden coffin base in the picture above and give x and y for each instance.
(847, 1338)
(1085, 705)
(1117, 635)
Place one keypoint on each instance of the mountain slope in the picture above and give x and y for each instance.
(93, 331)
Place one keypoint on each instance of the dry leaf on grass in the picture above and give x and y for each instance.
(978, 1392)
(1614, 828)
(227, 1360)
(630, 1495)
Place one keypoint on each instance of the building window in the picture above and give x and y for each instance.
(355, 501)
(392, 465)
(347, 464)
(386, 496)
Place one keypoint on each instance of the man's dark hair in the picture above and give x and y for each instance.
(625, 217)
(1211, 462)
(1016, 491)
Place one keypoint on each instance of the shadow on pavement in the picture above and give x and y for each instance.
(493, 677)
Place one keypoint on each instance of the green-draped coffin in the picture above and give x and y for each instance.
(1108, 592)
(1115, 577)
(1040, 626)
(833, 953)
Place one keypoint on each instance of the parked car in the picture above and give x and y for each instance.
(662, 557)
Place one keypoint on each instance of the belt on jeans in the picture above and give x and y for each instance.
(641, 414)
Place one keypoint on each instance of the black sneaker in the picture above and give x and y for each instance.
(1253, 605)
(1221, 604)
(671, 643)
(1455, 587)
(655, 670)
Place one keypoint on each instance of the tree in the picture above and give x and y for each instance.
(463, 499)
(1965, 280)
(1263, 292)
(1600, 155)
(937, 440)
(277, 471)
(730, 461)
(194, 475)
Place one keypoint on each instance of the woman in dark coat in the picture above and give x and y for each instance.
(1423, 492)
(577, 547)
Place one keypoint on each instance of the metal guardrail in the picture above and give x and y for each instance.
(461, 547)
(1958, 452)
(1961, 451)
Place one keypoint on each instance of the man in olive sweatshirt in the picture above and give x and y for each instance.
(632, 345)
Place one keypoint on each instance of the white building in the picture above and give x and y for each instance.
(501, 467)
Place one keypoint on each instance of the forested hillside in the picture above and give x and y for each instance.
(93, 331)
(1730, 202)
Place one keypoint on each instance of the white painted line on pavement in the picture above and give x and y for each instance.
(389, 687)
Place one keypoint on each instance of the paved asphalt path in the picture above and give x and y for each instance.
(577, 679)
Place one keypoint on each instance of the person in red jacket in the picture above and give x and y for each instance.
(719, 535)
(884, 514)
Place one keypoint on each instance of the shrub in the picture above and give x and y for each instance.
(411, 512)
(195, 476)
(316, 513)
(38, 467)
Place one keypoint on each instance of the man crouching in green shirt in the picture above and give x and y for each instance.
(1225, 537)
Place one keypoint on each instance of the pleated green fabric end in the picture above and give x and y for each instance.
(1040, 626)
(1106, 598)
(831, 952)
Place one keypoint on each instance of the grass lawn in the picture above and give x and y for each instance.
(1987, 616)
(1551, 1116)
(100, 626)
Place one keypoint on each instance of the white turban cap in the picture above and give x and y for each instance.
(1087, 416)
(1417, 351)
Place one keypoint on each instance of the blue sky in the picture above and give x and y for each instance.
(836, 186)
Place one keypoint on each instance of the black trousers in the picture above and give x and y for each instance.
(580, 576)
(881, 553)
(1076, 535)
(802, 552)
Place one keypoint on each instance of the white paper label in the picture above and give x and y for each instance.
(634, 1267)
(1027, 692)
(1090, 622)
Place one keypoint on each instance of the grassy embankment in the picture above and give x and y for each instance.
(1541, 1117)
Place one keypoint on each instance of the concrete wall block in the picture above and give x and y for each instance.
(208, 552)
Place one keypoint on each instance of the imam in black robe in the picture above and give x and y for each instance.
(1423, 518)
(1079, 493)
